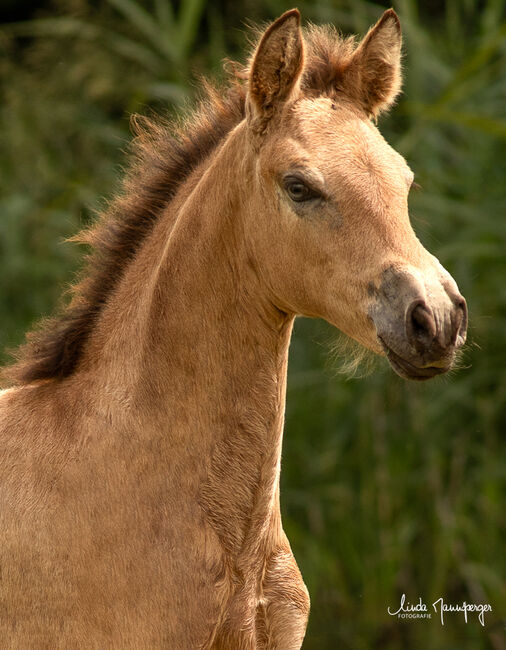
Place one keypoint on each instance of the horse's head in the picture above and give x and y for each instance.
(329, 208)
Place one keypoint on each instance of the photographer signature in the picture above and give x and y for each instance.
(420, 609)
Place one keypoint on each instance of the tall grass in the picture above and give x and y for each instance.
(387, 487)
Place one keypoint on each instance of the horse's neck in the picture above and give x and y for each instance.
(200, 354)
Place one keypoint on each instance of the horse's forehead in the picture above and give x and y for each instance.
(336, 135)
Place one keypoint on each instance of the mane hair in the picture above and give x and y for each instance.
(162, 157)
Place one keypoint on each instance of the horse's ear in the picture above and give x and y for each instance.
(374, 73)
(276, 67)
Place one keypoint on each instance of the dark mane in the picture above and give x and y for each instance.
(163, 156)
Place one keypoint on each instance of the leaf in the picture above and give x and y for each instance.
(144, 22)
(66, 27)
(189, 19)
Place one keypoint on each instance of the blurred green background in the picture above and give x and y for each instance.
(387, 487)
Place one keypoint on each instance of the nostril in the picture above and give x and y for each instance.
(420, 325)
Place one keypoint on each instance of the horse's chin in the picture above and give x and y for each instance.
(408, 370)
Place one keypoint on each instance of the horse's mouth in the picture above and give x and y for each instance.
(407, 370)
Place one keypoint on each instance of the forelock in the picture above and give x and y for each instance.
(328, 55)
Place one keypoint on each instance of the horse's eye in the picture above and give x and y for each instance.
(299, 191)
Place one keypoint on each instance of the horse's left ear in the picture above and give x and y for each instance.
(374, 72)
(276, 68)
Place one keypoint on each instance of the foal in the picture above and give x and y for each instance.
(140, 453)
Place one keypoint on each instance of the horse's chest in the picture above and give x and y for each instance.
(269, 614)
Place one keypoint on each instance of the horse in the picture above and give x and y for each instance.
(141, 433)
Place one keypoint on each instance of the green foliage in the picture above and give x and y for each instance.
(388, 487)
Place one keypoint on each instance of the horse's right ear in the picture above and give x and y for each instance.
(276, 68)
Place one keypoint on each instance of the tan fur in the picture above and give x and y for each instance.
(140, 487)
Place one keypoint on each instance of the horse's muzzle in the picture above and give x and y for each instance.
(420, 320)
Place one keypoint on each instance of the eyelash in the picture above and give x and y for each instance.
(309, 195)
